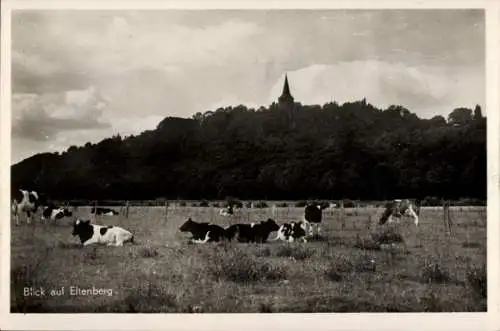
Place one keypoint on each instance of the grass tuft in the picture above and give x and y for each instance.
(477, 281)
(388, 236)
(433, 273)
(240, 267)
(296, 252)
(149, 252)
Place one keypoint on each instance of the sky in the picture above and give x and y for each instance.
(82, 76)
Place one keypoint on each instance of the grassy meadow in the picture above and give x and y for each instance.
(352, 267)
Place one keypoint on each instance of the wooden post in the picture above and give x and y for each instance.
(342, 214)
(166, 211)
(450, 223)
(446, 216)
(95, 210)
(126, 209)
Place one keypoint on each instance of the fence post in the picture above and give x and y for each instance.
(342, 214)
(446, 216)
(126, 209)
(450, 223)
(95, 210)
(166, 211)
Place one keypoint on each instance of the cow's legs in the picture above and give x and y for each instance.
(89, 242)
(16, 216)
(311, 229)
(413, 215)
(28, 217)
(207, 237)
(318, 229)
(279, 235)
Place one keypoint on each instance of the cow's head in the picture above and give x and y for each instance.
(58, 214)
(81, 227)
(271, 225)
(287, 230)
(187, 226)
(33, 196)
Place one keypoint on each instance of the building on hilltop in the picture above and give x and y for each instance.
(286, 103)
(286, 99)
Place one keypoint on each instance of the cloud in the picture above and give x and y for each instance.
(426, 90)
(43, 117)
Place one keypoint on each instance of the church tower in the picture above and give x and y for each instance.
(286, 99)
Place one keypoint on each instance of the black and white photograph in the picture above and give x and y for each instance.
(248, 161)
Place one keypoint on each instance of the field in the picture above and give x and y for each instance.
(347, 269)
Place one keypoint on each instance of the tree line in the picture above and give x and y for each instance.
(349, 151)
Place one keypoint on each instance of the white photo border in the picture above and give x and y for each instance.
(334, 321)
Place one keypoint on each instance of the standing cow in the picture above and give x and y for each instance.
(313, 214)
(398, 208)
(26, 202)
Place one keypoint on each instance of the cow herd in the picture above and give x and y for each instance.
(28, 202)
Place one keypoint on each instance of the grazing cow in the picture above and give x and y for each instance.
(252, 232)
(54, 213)
(26, 202)
(313, 214)
(103, 211)
(101, 234)
(228, 211)
(203, 232)
(398, 208)
(292, 231)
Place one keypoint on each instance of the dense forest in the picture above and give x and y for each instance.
(348, 151)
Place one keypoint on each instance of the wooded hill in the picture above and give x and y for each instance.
(349, 151)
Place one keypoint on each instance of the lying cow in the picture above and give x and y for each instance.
(101, 234)
(398, 208)
(313, 214)
(292, 231)
(203, 232)
(252, 232)
(103, 211)
(26, 202)
(54, 213)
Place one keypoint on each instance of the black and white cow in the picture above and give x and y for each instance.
(101, 234)
(103, 211)
(252, 232)
(203, 232)
(398, 208)
(292, 231)
(54, 213)
(26, 202)
(227, 211)
(313, 214)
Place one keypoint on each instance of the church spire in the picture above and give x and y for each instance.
(286, 88)
(286, 98)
